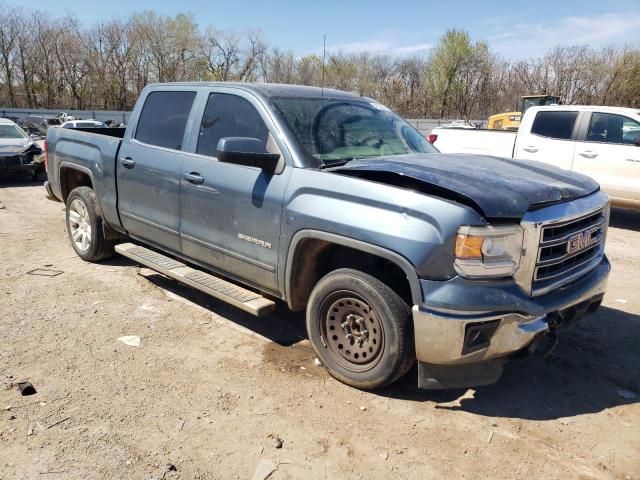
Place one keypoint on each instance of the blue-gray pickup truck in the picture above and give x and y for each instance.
(331, 203)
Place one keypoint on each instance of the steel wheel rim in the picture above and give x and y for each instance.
(80, 225)
(352, 331)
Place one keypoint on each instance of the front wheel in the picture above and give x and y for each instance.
(360, 329)
(84, 226)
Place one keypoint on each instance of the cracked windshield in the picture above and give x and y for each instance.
(337, 131)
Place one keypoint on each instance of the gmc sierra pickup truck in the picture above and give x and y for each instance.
(330, 202)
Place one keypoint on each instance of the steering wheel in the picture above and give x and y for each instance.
(329, 141)
(374, 141)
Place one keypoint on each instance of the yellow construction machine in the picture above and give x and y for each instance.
(511, 120)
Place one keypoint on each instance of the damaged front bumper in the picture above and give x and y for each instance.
(466, 343)
(25, 162)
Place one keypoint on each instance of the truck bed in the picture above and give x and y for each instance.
(499, 143)
(92, 151)
(110, 132)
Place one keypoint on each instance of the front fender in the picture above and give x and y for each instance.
(418, 227)
(399, 260)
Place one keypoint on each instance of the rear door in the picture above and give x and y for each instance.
(606, 150)
(149, 166)
(232, 214)
(550, 138)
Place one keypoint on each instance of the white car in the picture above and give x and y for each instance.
(602, 142)
(83, 124)
(460, 124)
(19, 152)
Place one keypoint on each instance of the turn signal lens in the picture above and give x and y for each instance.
(468, 246)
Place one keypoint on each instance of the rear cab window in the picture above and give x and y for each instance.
(554, 124)
(164, 117)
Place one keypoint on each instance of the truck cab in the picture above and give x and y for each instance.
(599, 141)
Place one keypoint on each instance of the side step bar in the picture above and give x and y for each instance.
(228, 292)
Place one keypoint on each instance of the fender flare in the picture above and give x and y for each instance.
(399, 260)
(80, 168)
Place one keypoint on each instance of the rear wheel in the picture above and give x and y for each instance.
(84, 226)
(360, 329)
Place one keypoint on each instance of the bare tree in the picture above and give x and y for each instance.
(9, 32)
(56, 62)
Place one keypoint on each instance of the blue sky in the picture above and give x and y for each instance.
(515, 29)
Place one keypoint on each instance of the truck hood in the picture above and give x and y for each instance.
(10, 146)
(499, 188)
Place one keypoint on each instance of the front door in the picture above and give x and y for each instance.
(549, 139)
(149, 166)
(232, 214)
(608, 153)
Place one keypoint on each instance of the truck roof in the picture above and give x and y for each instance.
(271, 89)
(588, 108)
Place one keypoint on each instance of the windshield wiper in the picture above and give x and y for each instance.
(337, 163)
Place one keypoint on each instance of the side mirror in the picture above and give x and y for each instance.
(34, 136)
(246, 151)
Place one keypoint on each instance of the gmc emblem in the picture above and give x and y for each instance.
(582, 240)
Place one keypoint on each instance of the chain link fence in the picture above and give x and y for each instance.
(424, 125)
(100, 115)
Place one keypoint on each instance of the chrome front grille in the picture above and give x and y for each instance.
(569, 248)
(563, 243)
(557, 268)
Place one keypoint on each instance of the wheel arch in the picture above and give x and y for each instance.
(301, 276)
(72, 176)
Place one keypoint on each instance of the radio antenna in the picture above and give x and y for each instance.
(324, 55)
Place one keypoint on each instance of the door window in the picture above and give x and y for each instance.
(554, 124)
(164, 118)
(609, 128)
(229, 115)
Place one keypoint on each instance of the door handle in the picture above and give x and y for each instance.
(127, 162)
(194, 178)
(531, 149)
(588, 154)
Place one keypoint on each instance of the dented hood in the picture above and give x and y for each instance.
(14, 146)
(499, 187)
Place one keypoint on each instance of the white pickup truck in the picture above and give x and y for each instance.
(602, 142)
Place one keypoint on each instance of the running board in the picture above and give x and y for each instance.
(228, 292)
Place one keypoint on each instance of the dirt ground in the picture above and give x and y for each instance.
(210, 389)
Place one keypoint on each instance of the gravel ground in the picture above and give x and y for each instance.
(210, 391)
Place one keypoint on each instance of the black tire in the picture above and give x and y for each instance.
(40, 175)
(97, 247)
(349, 302)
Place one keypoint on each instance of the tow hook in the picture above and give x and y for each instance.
(544, 344)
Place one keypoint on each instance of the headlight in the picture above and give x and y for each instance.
(488, 251)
